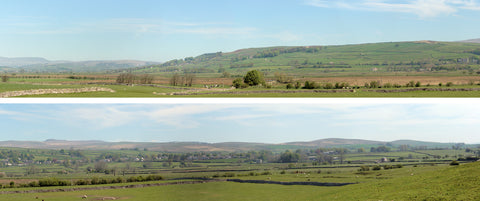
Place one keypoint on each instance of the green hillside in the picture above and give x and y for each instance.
(391, 57)
(452, 183)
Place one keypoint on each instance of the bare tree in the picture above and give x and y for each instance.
(146, 79)
(189, 79)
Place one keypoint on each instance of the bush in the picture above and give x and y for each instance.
(289, 86)
(449, 84)
(376, 167)
(328, 86)
(229, 174)
(364, 168)
(440, 84)
(53, 182)
(310, 85)
(282, 172)
(417, 84)
(454, 163)
(387, 85)
(298, 85)
(238, 83)
(266, 173)
(81, 182)
(410, 84)
(398, 166)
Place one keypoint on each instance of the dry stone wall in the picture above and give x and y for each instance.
(52, 91)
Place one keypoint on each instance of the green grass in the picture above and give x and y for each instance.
(408, 183)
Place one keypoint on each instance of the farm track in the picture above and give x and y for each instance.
(111, 187)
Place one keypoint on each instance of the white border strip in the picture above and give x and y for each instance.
(240, 101)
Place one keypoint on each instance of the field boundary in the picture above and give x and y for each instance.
(308, 183)
(53, 91)
(110, 187)
(422, 89)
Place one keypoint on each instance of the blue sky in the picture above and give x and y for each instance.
(451, 121)
(160, 30)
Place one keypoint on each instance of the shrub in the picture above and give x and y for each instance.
(376, 167)
(449, 84)
(81, 182)
(328, 86)
(364, 168)
(289, 86)
(282, 172)
(310, 85)
(454, 163)
(266, 173)
(298, 85)
(374, 84)
(238, 83)
(387, 85)
(410, 84)
(386, 167)
(397, 85)
(440, 84)
(229, 174)
(417, 84)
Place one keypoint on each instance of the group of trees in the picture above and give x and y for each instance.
(130, 78)
(278, 51)
(185, 80)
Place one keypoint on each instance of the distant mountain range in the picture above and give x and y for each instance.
(224, 146)
(38, 64)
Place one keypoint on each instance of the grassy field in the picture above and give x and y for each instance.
(408, 183)
(415, 175)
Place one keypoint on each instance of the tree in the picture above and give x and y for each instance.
(254, 78)
(100, 166)
(189, 79)
(175, 80)
(4, 78)
(146, 79)
(126, 78)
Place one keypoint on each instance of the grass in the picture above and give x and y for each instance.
(408, 183)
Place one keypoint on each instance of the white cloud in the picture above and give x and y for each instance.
(421, 8)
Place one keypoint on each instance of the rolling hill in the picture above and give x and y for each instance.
(38, 64)
(374, 58)
(223, 146)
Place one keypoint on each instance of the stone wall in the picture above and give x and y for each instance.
(52, 91)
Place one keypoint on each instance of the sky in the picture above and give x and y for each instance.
(161, 30)
(456, 120)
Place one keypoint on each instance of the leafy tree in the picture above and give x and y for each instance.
(254, 78)
(238, 83)
(126, 78)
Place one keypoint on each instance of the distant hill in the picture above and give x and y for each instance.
(21, 61)
(37, 64)
(224, 146)
(471, 41)
(387, 57)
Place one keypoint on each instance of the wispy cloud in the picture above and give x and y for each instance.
(421, 8)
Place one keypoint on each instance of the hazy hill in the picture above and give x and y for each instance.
(477, 40)
(37, 64)
(224, 146)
